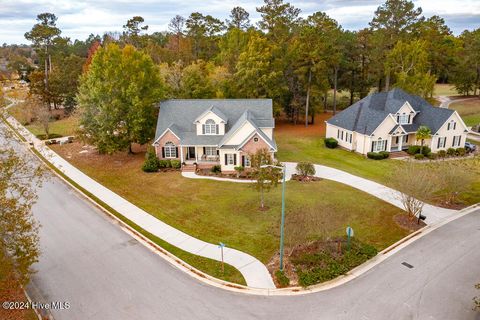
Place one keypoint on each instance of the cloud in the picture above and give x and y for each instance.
(79, 18)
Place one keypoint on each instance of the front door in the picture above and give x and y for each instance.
(191, 153)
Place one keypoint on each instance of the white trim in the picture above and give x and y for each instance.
(209, 110)
(160, 136)
(449, 119)
(250, 136)
(235, 132)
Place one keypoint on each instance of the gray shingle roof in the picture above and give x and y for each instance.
(180, 115)
(366, 115)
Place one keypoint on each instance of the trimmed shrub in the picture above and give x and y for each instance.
(419, 156)
(413, 150)
(331, 143)
(151, 164)
(432, 156)
(175, 164)
(282, 279)
(305, 169)
(216, 169)
(451, 152)
(162, 164)
(442, 153)
(460, 152)
(385, 154)
(426, 150)
(375, 156)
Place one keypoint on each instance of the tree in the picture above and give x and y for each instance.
(43, 35)
(409, 64)
(239, 19)
(133, 29)
(416, 185)
(266, 178)
(278, 19)
(117, 98)
(41, 112)
(454, 178)
(176, 27)
(305, 169)
(19, 178)
(204, 31)
(195, 83)
(423, 133)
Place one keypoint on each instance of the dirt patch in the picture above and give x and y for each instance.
(404, 221)
(284, 126)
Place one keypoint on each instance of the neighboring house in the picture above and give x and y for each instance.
(210, 132)
(388, 121)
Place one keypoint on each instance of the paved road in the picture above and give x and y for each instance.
(105, 274)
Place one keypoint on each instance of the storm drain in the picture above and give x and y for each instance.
(408, 265)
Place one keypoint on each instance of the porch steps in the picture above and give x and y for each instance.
(398, 154)
(188, 168)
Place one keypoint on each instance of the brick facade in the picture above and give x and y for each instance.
(167, 137)
(251, 146)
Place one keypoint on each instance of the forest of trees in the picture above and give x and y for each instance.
(295, 61)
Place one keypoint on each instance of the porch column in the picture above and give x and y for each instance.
(181, 154)
(389, 141)
(196, 154)
(400, 142)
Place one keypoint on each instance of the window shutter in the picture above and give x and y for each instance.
(406, 139)
(438, 142)
(398, 119)
(350, 138)
(226, 162)
(408, 118)
(203, 129)
(243, 161)
(448, 126)
(338, 134)
(163, 152)
(372, 145)
(218, 152)
(235, 159)
(204, 151)
(176, 152)
(216, 129)
(454, 125)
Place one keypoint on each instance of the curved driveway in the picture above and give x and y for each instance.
(88, 261)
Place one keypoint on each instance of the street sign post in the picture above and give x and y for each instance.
(349, 231)
(221, 245)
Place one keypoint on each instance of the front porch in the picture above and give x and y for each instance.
(400, 142)
(203, 156)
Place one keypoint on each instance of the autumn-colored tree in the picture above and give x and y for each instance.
(91, 52)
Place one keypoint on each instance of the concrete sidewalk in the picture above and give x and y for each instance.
(255, 273)
(434, 214)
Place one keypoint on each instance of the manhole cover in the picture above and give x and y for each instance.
(408, 265)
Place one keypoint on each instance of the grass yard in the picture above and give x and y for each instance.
(229, 212)
(469, 110)
(59, 128)
(442, 89)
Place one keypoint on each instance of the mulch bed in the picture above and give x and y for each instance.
(297, 177)
(208, 173)
(404, 221)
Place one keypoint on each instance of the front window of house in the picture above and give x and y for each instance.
(456, 141)
(452, 125)
(170, 150)
(210, 127)
(246, 162)
(210, 151)
(379, 145)
(403, 119)
(441, 142)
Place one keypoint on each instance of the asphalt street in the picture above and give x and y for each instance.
(103, 273)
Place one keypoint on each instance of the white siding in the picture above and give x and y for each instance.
(449, 134)
(229, 167)
(268, 132)
(241, 134)
(214, 117)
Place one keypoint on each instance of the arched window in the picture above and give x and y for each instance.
(169, 150)
(210, 127)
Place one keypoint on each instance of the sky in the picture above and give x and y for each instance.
(78, 19)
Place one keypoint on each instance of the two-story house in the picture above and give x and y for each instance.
(210, 132)
(388, 121)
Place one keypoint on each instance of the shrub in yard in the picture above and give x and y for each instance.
(451, 152)
(305, 169)
(162, 164)
(460, 152)
(375, 156)
(282, 279)
(442, 153)
(432, 156)
(216, 169)
(419, 156)
(385, 154)
(426, 151)
(331, 143)
(176, 164)
(413, 150)
(151, 163)
(239, 170)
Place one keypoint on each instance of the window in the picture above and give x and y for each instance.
(170, 150)
(230, 159)
(210, 127)
(456, 141)
(210, 151)
(380, 145)
(441, 142)
(452, 125)
(255, 139)
(246, 161)
(403, 118)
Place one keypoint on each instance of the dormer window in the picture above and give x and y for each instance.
(210, 127)
(403, 119)
(452, 125)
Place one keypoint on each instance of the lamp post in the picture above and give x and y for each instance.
(283, 209)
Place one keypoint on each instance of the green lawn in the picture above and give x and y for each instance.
(444, 90)
(62, 128)
(229, 212)
(469, 110)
